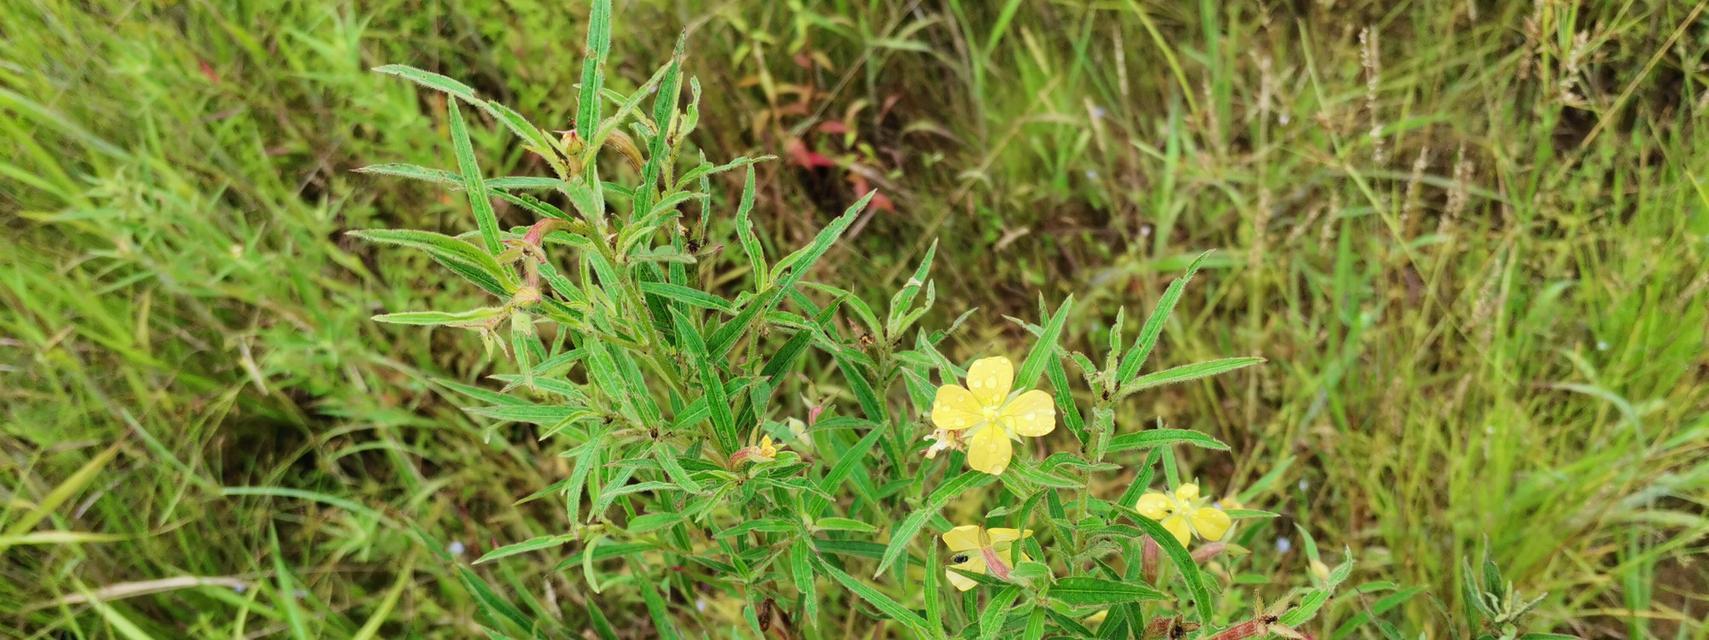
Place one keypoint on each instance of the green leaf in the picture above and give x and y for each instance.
(660, 151)
(843, 524)
(905, 532)
(801, 571)
(1179, 556)
(652, 522)
(1044, 348)
(871, 406)
(846, 464)
(933, 590)
(463, 258)
(1035, 625)
(685, 295)
(1064, 396)
(439, 318)
(723, 421)
(472, 182)
(601, 625)
(1248, 514)
(673, 468)
(725, 337)
(903, 301)
(1161, 437)
(533, 413)
(593, 69)
(522, 183)
(530, 134)
(414, 172)
(1306, 609)
(751, 246)
(889, 607)
(531, 544)
(287, 591)
(663, 623)
(431, 80)
(1084, 591)
(1395, 599)
(996, 610)
(1153, 329)
(761, 525)
(1186, 372)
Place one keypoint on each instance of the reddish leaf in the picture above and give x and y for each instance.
(807, 158)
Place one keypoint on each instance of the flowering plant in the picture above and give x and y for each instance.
(632, 360)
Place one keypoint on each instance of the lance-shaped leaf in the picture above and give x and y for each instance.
(905, 532)
(1153, 328)
(593, 68)
(799, 262)
(460, 257)
(1160, 437)
(479, 201)
(1083, 591)
(1178, 556)
(1185, 373)
(717, 403)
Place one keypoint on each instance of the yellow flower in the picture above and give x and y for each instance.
(978, 550)
(990, 418)
(1184, 514)
(767, 450)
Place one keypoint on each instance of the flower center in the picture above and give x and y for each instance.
(989, 413)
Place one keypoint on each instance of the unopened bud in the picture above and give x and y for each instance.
(572, 142)
(1320, 570)
(525, 296)
(1148, 559)
(1208, 551)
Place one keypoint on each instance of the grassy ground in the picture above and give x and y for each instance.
(1472, 239)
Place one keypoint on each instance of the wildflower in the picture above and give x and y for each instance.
(1184, 514)
(798, 430)
(989, 417)
(765, 451)
(978, 550)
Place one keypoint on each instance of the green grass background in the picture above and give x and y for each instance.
(1470, 237)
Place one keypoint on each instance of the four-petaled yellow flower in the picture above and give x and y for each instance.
(980, 550)
(989, 417)
(1184, 514)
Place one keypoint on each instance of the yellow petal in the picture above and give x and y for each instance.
(972, 561)
(955, 408)
(990, 380)
(1211, 523)
(962, 538)
(990, 450)
(1031, 414)
(1153, 505)
(960, 582)
(1001, 535)
(1187, 492)
(1177, 526)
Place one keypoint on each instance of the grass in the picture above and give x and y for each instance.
(1472, 249)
